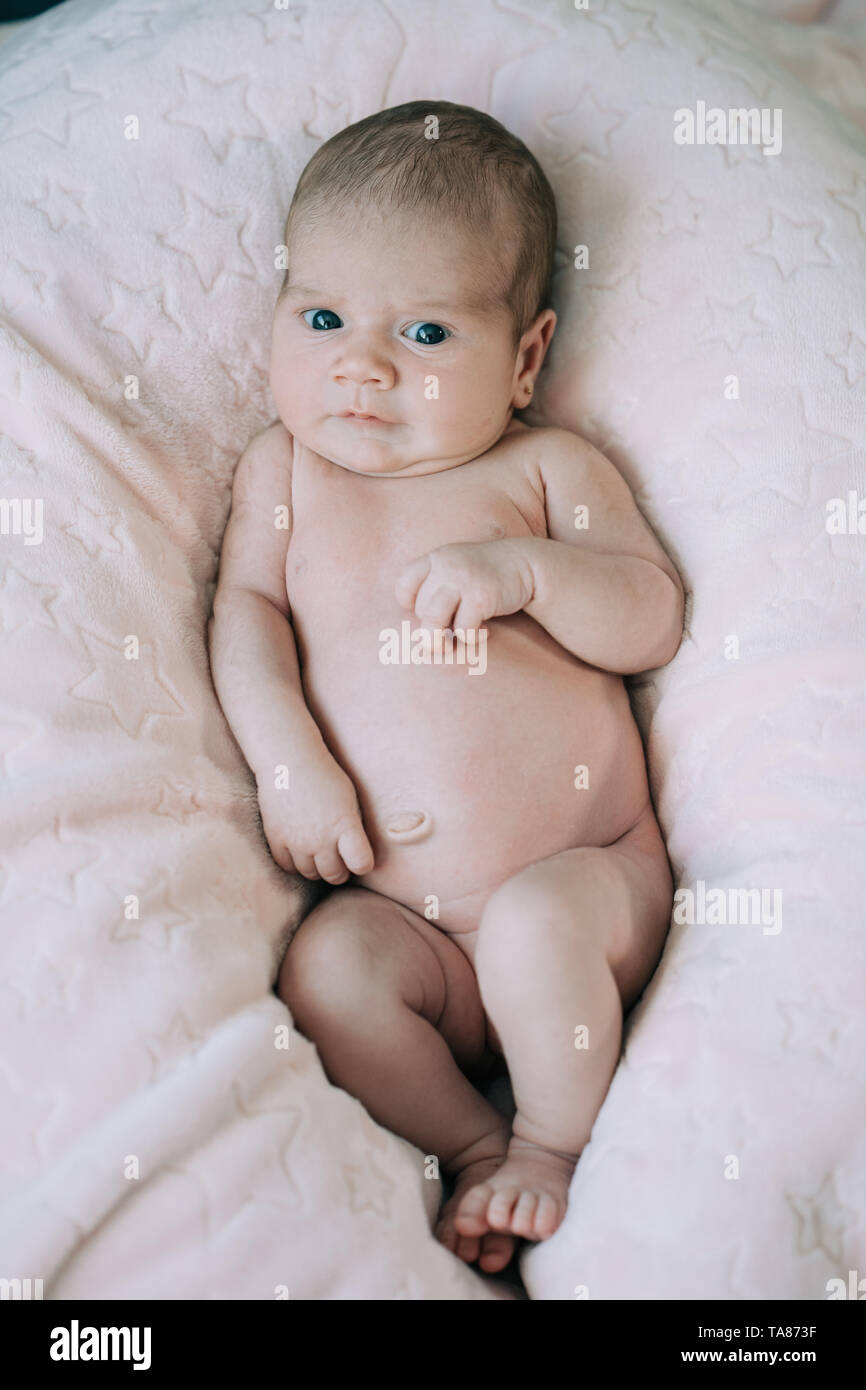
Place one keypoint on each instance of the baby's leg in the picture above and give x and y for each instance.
(562, 948)
(393, 1006)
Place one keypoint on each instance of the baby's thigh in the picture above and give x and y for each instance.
(358, 953)
(612, 902)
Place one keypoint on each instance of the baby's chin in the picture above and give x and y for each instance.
(372, 448)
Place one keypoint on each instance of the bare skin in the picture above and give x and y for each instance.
(499, 882)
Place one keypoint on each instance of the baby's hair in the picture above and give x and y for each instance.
(463, 164)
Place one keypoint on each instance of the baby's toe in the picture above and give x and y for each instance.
(501, 1207)
(496, 1251)
(471, 1215)
(468, 1248)
(523, 1216)
(548, 1216)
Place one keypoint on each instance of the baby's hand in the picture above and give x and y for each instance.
(462, 585)
(314, 825)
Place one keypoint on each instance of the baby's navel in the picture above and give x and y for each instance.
(405, 827)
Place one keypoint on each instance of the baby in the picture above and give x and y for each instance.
(507, 887)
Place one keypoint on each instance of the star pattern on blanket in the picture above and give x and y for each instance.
(593, 123)
(822, 1221)
(853, 360)
(21, 285)
(59, 985)
(732, 323)
(95, 531)
(285, 24)
(48, 112)
(793, 246)
(811, 1025)
(624, 23)
(130, 26)
(328, 116)
(621, 328)
(212, 249)
(47, 865)
(271, 1130)
(132, 690)
(728, 62)
(176, 1046)
(139, 315)
(25, 602)
(159, 915)
(62, 206)
(853, 199)
(219, 111)
(177, 800)
(678, 211)
(780, 437)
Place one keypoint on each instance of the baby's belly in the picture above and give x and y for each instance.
(465, 778)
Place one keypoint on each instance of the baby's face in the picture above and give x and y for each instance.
(391, 318)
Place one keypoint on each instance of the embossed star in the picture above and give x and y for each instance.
(211, 239)
(588, 137)
(50, 110)
(24, 602)
(139, 316)
(822, 1221)
(679, 211)
(158, 915)
(217, 110)
(62, 206)
(732, 323)
(793, 245)
(130, 689)
(853, 359)
(854, 199)
(624, 23)
(95, 531)
(48, 865)
(177, 1045)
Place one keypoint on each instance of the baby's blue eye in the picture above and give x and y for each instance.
(323, 314)
(427, 332)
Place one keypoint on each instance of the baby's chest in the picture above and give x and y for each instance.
(352, 541)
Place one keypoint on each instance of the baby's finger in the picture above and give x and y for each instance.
(330, 866)
(356, 850)
(436, 607)
(469, 616)
(306, 865)
(410, 579)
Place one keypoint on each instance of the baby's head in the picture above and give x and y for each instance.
(420, 265)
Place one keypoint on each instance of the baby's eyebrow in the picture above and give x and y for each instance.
(477, 302)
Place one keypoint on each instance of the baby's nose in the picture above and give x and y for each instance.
(361, 365)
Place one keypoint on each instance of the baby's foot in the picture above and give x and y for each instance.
(527, 1195)
(491, 1249)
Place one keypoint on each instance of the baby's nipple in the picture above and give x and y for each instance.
(406, 827)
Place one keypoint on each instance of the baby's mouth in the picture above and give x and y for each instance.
(356, 418)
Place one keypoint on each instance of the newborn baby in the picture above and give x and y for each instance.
(424, 613)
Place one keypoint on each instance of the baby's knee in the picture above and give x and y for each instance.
(519, 912)
(331, 961)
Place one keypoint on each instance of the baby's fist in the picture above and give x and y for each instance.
(465, 584)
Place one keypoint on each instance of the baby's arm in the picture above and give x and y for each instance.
(605, 589)
(314, 824)
(607, 592)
